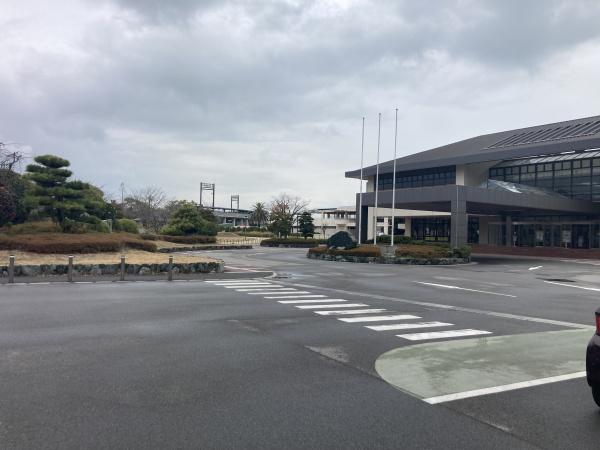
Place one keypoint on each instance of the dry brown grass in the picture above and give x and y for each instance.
(131, 257)
(61, 243)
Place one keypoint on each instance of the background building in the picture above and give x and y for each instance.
(536, 186)
(231, 217)
(328, 221)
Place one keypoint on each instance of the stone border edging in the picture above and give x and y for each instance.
(113, 269)
(389, 259)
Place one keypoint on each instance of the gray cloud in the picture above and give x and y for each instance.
(267, 96)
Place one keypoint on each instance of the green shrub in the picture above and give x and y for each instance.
(292, 242)
(127, 225)
(46, 226)
(464, 251)
(149, 236)
(193, 239)
(422, 251)
(87, 224)
(188, 220)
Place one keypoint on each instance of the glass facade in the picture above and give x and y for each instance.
(573, 175)
(576, 234)
(432, 229)
(418, 178)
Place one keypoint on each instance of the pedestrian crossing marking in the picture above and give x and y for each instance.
(379, 318)
(408, 326)
(442, 334)
(351, 311)
(346, 305)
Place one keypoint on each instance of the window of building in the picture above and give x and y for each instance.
(418, 178)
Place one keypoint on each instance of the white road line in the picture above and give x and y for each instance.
(274, 288)
(503, 388)
(572, 286)
(446, 286)
(299, 296)
(253, 270)
(345, 305)
(442, 334)
(277, 291)
(244, 280)
(408, 326)
(535, 268)
(328, 300)
(349, 311)
(379, 318)
(247, 286)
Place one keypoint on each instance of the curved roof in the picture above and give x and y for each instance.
(549, 139)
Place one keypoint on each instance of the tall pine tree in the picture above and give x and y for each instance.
(53, 193)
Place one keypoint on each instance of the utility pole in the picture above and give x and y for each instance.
(377, 181)
(394, 183)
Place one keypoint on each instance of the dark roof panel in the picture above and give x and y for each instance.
(549, 139)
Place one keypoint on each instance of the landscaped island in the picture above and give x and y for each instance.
(342, 247)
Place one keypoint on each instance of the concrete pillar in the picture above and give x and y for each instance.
(407, 226)
(370, 213)
(458, 221)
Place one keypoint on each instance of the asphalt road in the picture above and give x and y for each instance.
(205, 364)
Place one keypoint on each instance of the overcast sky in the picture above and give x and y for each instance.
(262, 97)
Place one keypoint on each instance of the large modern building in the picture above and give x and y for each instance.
(535, 186)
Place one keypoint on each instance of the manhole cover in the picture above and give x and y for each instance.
(560, 280)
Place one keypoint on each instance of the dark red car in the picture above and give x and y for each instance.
(592, 361)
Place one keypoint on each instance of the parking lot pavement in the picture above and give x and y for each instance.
(319, 355)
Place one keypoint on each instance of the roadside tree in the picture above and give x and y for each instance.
(188, 220)
(306, 227)
(150, 206)
(259, 215)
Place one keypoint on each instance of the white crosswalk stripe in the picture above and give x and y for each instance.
(379, 318)
(442, 334)
(328, 300)
(245, 280)
(298, 296)
(408, 326)
(277, 291)
(350, 311)
(236, 286)
(346, 305)
(274, 288)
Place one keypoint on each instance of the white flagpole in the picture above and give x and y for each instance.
(362, 154)
(377, 180)
(394, 182)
